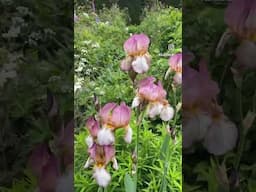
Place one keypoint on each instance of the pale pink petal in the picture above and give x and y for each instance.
(92, 151)
(240, 17)
(109, 152)
(49, 176)
(130, 46)
(137, 44)
(93, 126)
(38, 158)
(105, 112)
(175, 62)
(149, 92)
(161, 92)
(121, 115)
(146, 81)
(142, 42)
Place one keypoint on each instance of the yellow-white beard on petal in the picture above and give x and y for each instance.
(167, 113)
(154, 109)
(136, 102)
(101, 176)
(89, 141)
(128, 134)
(221, 136)
(140, 65)
(105, 137)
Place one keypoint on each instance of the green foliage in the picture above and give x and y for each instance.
(37, 59)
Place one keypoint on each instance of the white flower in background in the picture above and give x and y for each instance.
(4, 75)
(8, 70)
(13, 32)
(78, 83)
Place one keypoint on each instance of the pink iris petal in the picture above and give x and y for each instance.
(150, 91)
(137, 44)
(93, 126)
(109, 152)
(175, 62)
(105, 112)
(121, 115)
(161, 91)
(92, 151)
(146, 81)
(142, 42)
(38, 159)
(198, 87)
(240, 17)
(50, 174)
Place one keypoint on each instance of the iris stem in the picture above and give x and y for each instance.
(242, 131)
(139, 125)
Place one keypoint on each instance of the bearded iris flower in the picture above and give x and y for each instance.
(112, 117)
(155, 96)
(203, 119)
(137, 56)
(101, 139)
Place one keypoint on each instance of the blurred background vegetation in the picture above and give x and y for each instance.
(135, 7)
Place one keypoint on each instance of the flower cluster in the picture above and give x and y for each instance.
(154, 95)
(137, 57)
(101, 139)
(112, 116)
(203, 119)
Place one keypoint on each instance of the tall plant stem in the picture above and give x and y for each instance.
(242, 130)
(139, 126)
